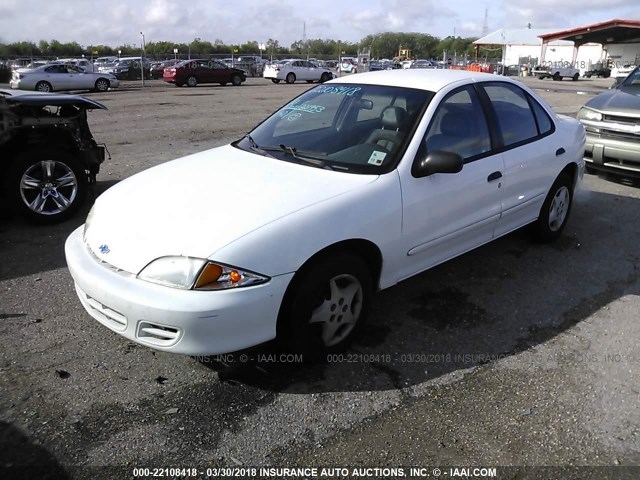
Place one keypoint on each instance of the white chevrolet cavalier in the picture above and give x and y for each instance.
(352, 187)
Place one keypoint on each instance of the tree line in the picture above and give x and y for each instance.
(381, 45)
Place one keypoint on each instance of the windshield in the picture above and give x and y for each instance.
(633, 79)
(347, 127)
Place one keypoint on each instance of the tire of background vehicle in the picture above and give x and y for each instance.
(541, 77)
(275, 80)
(325, 77)
(192, 81)
(556, 76)
(44, 87)
(47, 186)
(223, 83)
(102, 85)
(575, 77)
(291, 78)
(555, 210)
(236, 80)
(588, 75)
(327, 304)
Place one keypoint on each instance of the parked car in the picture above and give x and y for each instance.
(556, 73)
(82, 64)
(157, 68)
(295, 70)
(57, 77)
(612, 123)
(598, 70)
(129, 68)
(352, 187)
(421, 63)
(47, 152)
(348, 65)
(194, 72)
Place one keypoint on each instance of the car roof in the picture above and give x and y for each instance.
(423, 79)
(41, 99)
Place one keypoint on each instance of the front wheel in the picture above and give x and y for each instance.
(275, 80)
(575, 77)
(327, 304)
(556, 76)
(325, 77)
(291, 78)
(47, 185)
(555, 210)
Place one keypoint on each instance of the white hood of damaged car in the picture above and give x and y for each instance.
(196, 205)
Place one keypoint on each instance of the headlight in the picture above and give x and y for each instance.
(198, 274)
(87, 224)
(588, 114)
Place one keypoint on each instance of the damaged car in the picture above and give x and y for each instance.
(48, 153)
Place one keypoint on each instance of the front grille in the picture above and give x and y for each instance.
(113, 268)
(620, 119)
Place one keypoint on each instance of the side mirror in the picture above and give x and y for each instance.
(437, 161)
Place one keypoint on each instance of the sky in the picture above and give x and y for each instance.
(118, 22)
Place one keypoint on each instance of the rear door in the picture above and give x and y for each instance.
(525, 134)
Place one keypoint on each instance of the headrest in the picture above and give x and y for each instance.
(392, 117)
(455, 123)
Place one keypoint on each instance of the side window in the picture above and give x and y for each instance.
(459, 125)
(513, 113)
(544, 122)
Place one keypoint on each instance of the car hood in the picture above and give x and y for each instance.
(196, 205)
(42, 99)
(624, 100)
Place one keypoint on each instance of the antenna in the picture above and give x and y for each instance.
(485, 25)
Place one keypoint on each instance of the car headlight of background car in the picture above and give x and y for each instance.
(588, 114)
(198, 274)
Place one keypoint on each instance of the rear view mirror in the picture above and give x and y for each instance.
(364, 104)
(437, 161)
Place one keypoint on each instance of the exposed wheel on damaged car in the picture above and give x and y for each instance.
(47, 186)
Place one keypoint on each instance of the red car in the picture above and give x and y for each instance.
(193, 72)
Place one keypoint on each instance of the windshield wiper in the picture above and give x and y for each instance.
(302, 156)
(254, 146)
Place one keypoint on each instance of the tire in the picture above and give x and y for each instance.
(588, 75)
(325, 306)
(47, 186)
(236, 80)
(325, 77)
(275, 80)
(223, 83)
(575, 77)
(557, 77)
(291, 78)
(102, 85)
(555, 210)
(542, 77)
(44, 87)
(192, 81)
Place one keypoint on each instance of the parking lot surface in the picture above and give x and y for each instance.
(514, 354)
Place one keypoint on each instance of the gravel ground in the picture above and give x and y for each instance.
(516, 354)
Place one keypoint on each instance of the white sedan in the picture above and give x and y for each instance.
(352, 187)
(57, 76)
(295, 70)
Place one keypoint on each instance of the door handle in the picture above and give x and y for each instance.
(494, 176)
(560, 151)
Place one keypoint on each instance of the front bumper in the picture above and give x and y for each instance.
(611, 154)
(169, 319)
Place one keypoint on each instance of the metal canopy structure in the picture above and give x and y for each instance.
(614, 31)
